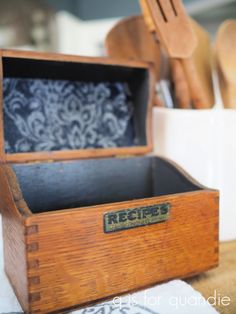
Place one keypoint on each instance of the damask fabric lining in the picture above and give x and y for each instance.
(54, 115)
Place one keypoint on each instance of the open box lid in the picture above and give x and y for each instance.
(60, 107)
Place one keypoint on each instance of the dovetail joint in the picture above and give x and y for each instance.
(34, 264)
(32, 247)
(32, 229)
(34, 297)
(34, 281)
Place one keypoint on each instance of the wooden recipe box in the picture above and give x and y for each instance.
(77, 228)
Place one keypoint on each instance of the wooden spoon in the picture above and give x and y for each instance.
(203, 60)
(130, 39)
(176, 34)
(226, 62)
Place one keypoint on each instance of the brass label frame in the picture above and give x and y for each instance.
(136, 217)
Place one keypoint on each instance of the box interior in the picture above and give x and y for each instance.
(64, 185)
(57, 105)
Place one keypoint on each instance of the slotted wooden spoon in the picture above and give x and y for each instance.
(177, 36)
(181, 90)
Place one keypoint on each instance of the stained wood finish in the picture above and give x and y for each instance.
(147, 16)
(82, 264)
(62, 259)
(87, 153)
(182, 94)
(203, 60)
(70, 58)
(181, 88)
(81, 154)
(14, 241)
(71, 261)
(131, 39)
(169, 19)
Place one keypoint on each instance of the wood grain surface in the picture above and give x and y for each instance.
(71, 261)
(79, 263)
(14, 241)
(62, 259)
(169, 19)
(130, 39)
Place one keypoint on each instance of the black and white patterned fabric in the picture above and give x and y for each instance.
(52, 115)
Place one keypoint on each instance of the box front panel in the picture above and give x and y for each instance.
(78, 261)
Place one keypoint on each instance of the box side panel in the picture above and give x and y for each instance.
(13, 242)
(77, 262)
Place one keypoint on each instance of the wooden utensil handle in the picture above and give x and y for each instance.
(228, 92)
(182, 94)
(147, 16)
(198, 98)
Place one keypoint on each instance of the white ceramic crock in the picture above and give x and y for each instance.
(203, 142)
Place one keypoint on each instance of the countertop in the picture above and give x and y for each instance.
(221, 281)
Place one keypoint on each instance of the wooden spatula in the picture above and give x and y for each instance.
(181, 90)
(177, 36)
(226, 62)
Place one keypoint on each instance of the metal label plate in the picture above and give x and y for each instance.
(136, 217)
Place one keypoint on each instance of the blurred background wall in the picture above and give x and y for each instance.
(79, 26)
